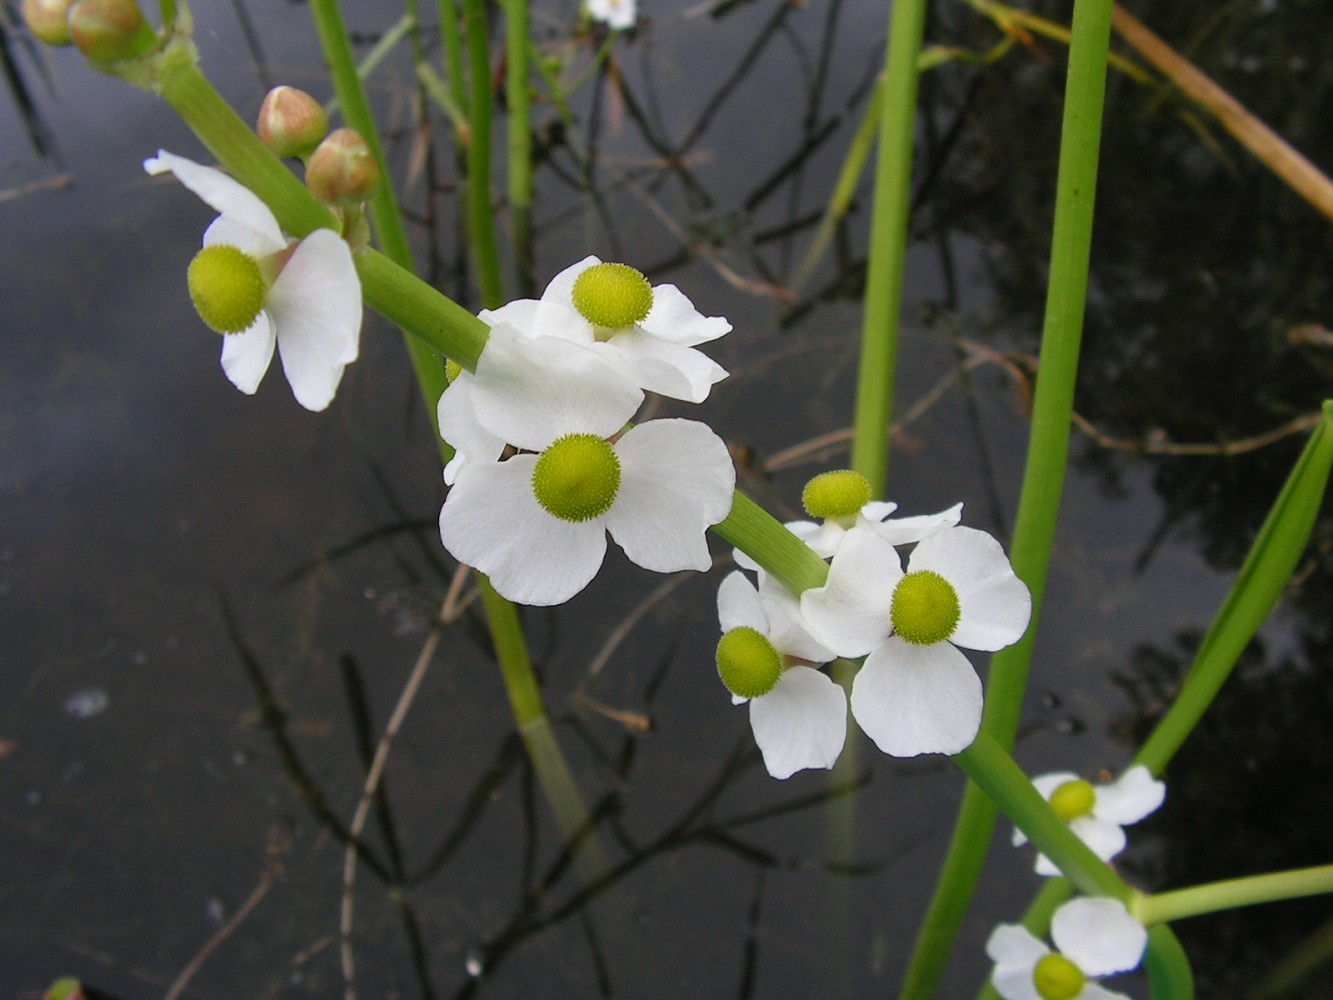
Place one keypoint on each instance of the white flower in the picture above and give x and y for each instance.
(537, 523)
(652, 333)
(1093, 937)
(824, 536)
(1097, 812)
(311, 310)
(916, 693)
(802, 720)
(617, 14)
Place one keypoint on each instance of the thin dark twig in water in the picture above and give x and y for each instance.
(373, 776)
(278, 845)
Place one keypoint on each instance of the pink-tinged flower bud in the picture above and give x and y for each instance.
(291, 122)
(107, 31)
(342, 171)
(48, 20)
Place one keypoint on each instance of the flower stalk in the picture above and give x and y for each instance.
(1231, 894)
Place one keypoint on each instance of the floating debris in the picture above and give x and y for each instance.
(87, 702)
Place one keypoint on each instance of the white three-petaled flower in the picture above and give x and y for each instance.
(1097, 935)
(802, 721)
(912, 697)
(675, 477)
(312, 310)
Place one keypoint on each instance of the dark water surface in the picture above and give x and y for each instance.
(144, 503)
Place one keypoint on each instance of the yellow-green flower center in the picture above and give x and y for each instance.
(1057, 978)
(452, 369)
(925, 608)
(747, 662)
(1073, 799)
(226, 287)
(839, 494)
(613, 296)
(577, 477)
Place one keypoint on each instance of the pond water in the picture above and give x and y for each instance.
(201, 593)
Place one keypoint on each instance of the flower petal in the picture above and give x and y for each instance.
(535, 318)
(1099, 935)
(560, 290)
(316, 309)
(1015, 952)
(850, 613)
(492, 521)
(787, 628)
(801, 723)
(1105, 839)
(917, 699)
(459, 426)
(738, 604)
(1046, 784)
(530, 392)
(674, 318)
(1129, 798)
(676, 479)
(665, 368)
(993, 602)
(905, 530)
(228, 197)
(246, 355)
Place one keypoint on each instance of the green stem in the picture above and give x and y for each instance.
(1233, 893)
(452, 38)
(518, 96)
(481, 220)
(888, 244)
(762, 537)
(1043, 479)
(1168, 966)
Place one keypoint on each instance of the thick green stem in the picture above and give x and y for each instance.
(1043, 479)
(1233, 893)
(888, 244)
(481, 220)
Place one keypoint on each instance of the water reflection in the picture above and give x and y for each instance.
(220, 779)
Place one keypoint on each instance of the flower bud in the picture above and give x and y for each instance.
(107, 31)
(291, 122)
(48, 20)
(342, 171)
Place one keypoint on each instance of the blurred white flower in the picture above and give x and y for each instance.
(1093, 937)
(1097, 812)
(617, 14)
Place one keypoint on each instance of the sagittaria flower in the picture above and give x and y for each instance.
(647, 331)
(536, 522)
(259, 290)
(767, 657)
(1093, 936)
(1097, 813)
(916, 693)
(617, 14)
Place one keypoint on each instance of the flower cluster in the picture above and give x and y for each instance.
(1093, 937)
(916, 692)
(546, 464)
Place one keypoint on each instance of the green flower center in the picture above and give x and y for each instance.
(838, 494)
(577, 477)
(747, 663)
(925, 608)
(226, 287)
(1057, 978)
(452, 369)
(1073, 799)
(614, 296)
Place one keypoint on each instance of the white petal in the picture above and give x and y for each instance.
(801, 723)
(905, 530)
(246, 355)
(530, 392)
(492, 521)
(850, 613)
(1099, 935)
(561, 288)
(676, 479)
(1096, 991)
(1015, 953)
(917, 699)
(674, 318)
(1106, 839)
(227, 197)
(534, 318)
(1129, 798)
(994, 604)
(665, 368)
(787, 628)
(738, 604)
(316, 308)
(1046, 784)
(459, 426)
